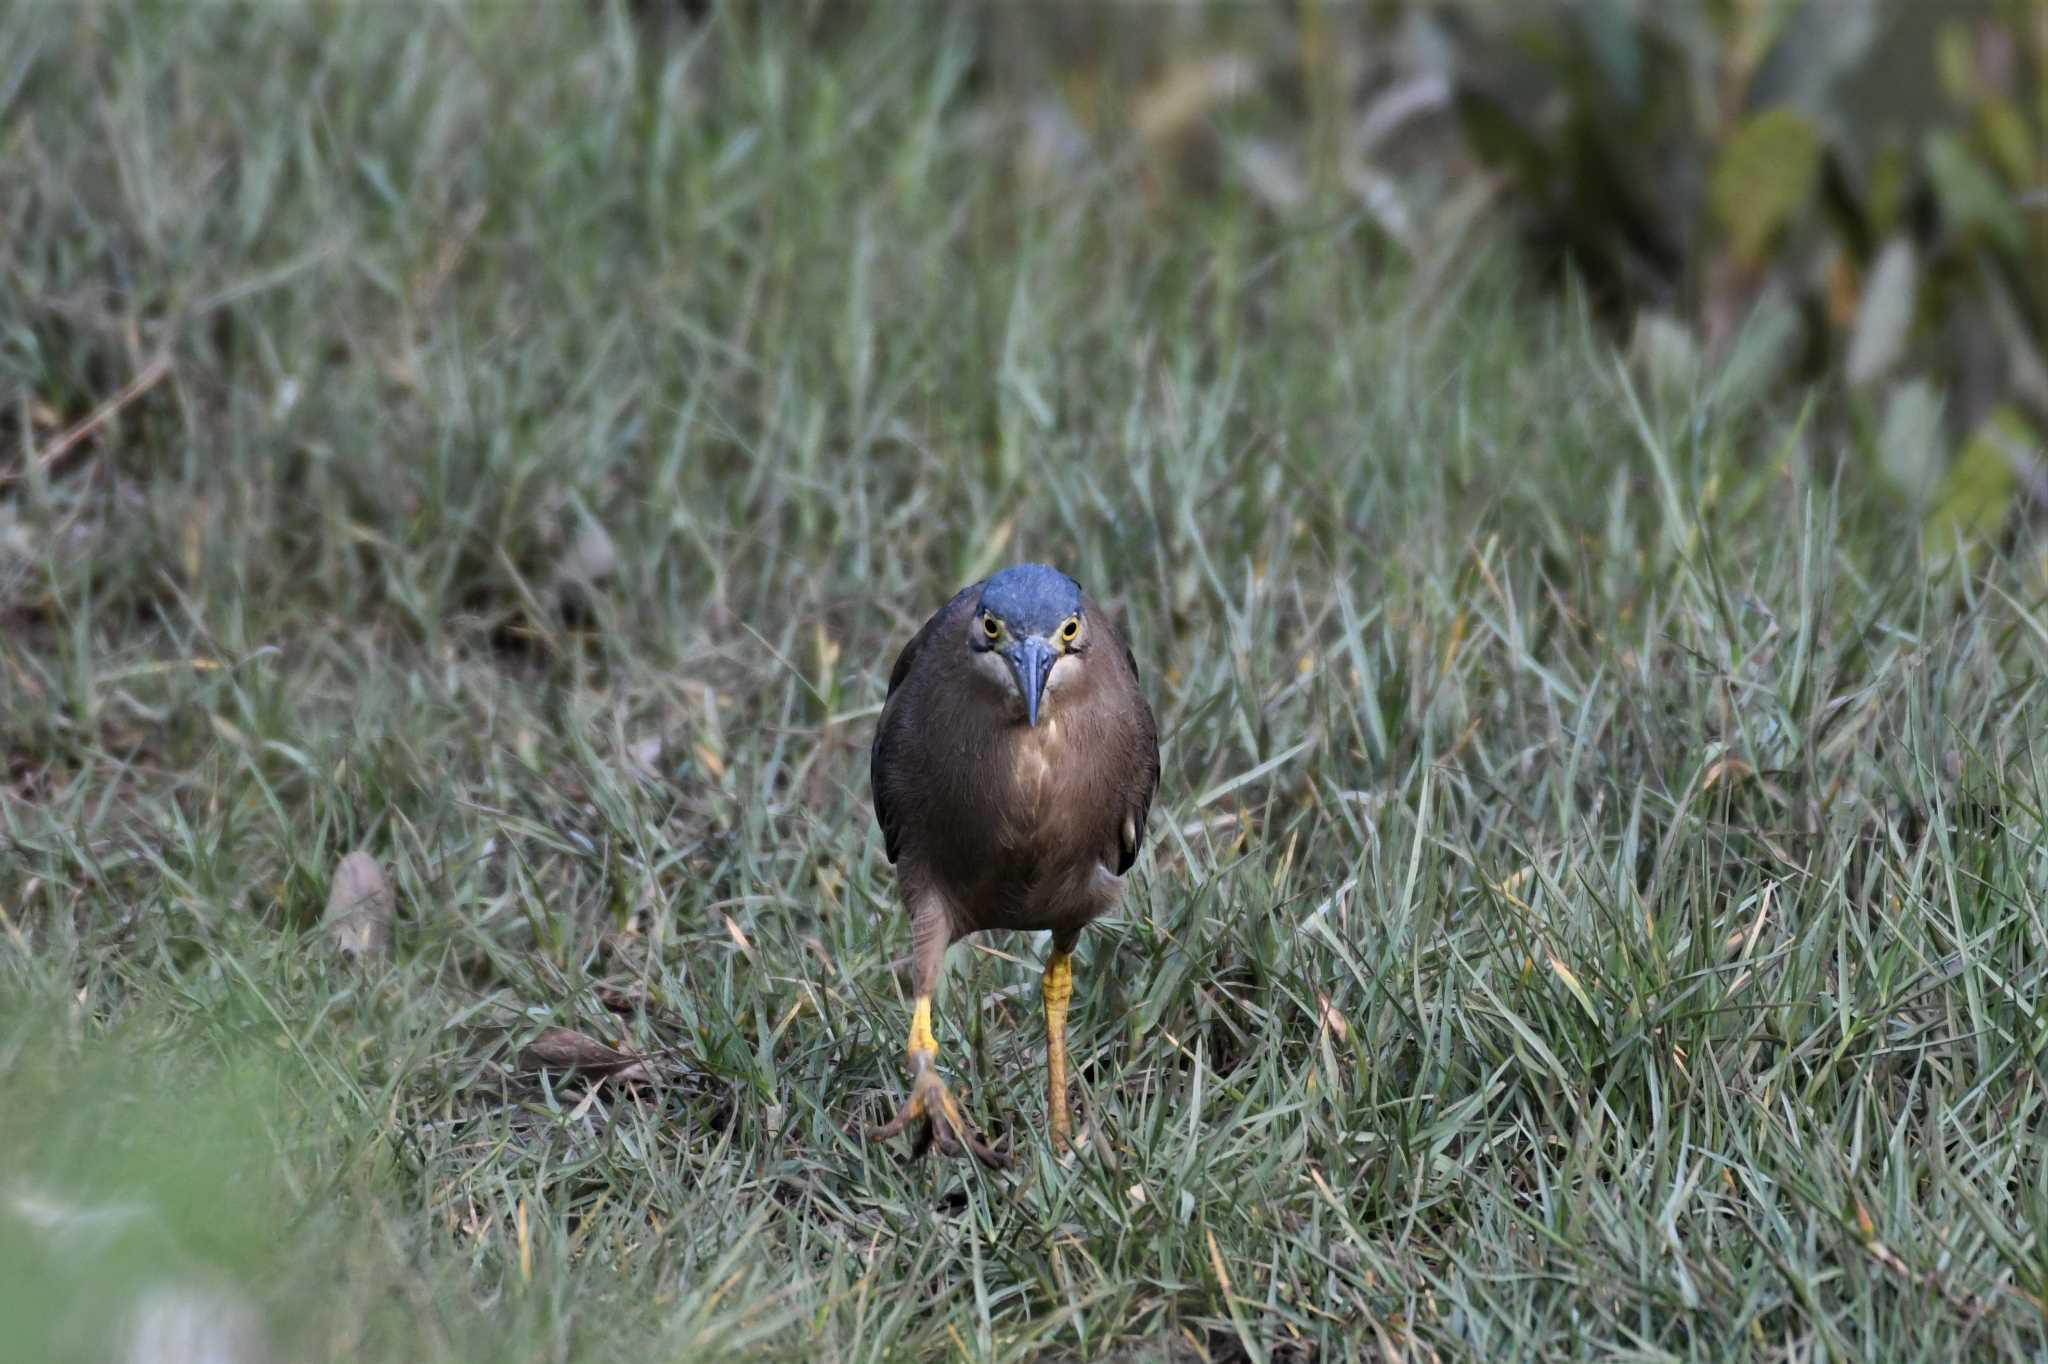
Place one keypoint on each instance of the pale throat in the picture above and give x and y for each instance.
(1041, 749)
(1066, 670)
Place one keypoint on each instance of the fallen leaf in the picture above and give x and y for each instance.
(567, 1049)
(1729, 770)
(359, 908)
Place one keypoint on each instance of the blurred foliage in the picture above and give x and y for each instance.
(1878, 167)
(1865, 180)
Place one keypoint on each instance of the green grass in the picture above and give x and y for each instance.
(1596, 904)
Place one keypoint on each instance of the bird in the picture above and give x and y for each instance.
(1013, 769)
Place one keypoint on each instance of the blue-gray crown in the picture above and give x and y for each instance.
(1032, 599)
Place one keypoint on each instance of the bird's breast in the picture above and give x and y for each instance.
(1037, 753)
(1028, 838)
(1054, 805)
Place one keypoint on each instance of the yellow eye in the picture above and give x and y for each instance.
(1071, 630)
(990, 628)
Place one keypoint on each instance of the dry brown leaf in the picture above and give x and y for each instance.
(1730, 770)
(359, 908)
(567, 1049)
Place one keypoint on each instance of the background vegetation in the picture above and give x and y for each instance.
(1571, 486)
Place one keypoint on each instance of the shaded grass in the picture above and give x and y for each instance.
(1595, 906)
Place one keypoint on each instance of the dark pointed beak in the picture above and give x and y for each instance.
(1031, 663)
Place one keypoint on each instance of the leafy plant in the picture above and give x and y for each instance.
(1880, 168)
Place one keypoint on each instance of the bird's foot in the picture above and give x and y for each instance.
(940, 1120)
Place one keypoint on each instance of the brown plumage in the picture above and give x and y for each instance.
(1013, 768)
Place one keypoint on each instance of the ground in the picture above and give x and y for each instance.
(1594, 903)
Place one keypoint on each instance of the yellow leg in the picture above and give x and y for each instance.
(923, 1048)
(930, 1103)
(1058, 987)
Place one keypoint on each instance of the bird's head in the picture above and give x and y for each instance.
(1028, 631)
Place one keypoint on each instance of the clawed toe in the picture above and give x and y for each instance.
(941, 1124)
